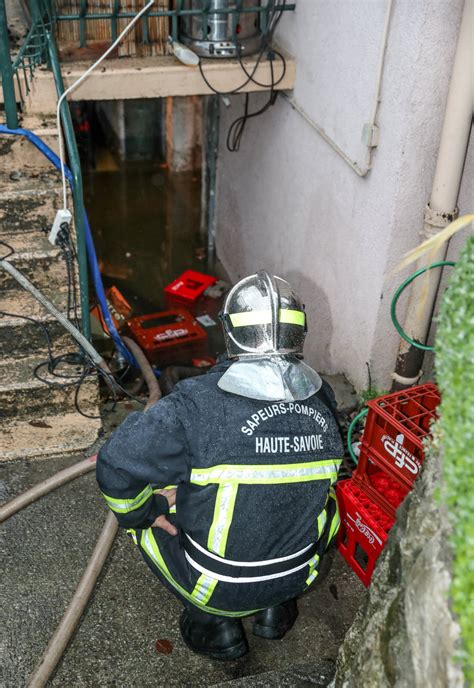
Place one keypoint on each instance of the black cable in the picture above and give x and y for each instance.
(236, 129)
(10, 250)
(266, 40)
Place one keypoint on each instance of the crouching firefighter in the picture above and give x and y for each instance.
(253, 449)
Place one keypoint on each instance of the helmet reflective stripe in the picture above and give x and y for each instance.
(286, 315)
(262, 316)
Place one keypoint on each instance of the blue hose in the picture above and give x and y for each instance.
(90, 248)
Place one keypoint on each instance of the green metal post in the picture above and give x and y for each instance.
(75, 166)
(6, 71)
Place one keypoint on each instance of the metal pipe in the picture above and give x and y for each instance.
(77, 190)
(8, 87)
(51, 308)
(212, 123)
(46, 486)
(441, 209)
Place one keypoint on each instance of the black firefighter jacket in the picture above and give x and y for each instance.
(255, 508)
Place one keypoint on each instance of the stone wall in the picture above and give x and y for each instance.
(405, 634)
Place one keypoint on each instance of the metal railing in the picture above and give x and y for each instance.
(39, 48)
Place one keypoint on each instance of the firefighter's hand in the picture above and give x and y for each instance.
(162, 522)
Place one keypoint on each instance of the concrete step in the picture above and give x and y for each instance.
(38, 260)
(22, 395)
(47, 436)
(17, 154)
(29, 202)
(21, 338)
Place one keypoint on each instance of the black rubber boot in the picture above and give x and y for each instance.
(217, 637)
(273, 623)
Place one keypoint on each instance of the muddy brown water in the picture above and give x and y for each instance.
(145, 222)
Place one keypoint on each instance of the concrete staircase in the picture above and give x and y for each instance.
(35, 418)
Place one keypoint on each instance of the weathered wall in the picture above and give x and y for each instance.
(287, 202)
(405, 634)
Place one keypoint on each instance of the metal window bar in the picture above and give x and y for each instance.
(173, 14)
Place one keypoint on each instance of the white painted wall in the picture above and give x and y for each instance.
(288, 203)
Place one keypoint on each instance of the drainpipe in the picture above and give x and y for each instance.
(6, 71)
(441, 208)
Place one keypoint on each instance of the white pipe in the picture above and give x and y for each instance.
(79, 81)
(371, 125)
(441, 209)
(51, 308)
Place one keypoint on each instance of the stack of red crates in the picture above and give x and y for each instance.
(391, 456)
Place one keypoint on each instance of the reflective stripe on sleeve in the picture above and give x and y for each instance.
(124, 506)
(265, 474)
(223, 512)
(249, 318)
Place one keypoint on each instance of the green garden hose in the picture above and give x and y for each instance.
(401, 288)
(360, 415)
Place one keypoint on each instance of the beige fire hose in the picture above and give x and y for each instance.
(76, 607)
(42, 488)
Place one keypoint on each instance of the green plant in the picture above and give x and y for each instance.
(454, 348)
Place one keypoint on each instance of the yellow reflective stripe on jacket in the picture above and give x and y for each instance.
(150, 547)
(124, 506)
(286, 315)
(322, 518)
(204, 588)
(223, 512)
(335, 523)
(258, 474)
(313, 572)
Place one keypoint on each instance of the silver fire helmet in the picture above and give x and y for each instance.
(265, 327)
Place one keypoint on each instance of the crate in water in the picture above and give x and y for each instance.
(396, 426)
(189, 286)
(380, 484)
(169, 337)
(363, 531)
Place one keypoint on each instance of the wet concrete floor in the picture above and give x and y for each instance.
(44, 551)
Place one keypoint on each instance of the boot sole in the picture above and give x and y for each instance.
(226, 655)
(270, 633)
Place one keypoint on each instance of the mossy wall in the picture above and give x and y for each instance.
(455, 432)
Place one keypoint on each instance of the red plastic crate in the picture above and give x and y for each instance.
(363, 531)
(189, 286)
(382, 486)
(395, 427)
(169, 337)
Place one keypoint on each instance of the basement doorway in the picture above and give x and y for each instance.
(141, 165)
